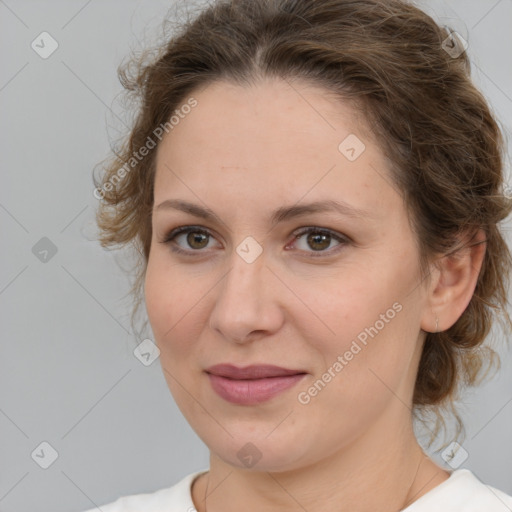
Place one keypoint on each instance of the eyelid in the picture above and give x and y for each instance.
(339, 237)
(170, 236)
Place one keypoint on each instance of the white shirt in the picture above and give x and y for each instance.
(461, 492)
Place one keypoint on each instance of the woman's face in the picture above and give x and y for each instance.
(341, 306)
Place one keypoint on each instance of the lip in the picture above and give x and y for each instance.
(251, 384)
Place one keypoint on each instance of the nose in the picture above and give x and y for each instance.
(247, 305)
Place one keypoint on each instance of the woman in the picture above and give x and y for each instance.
(315, 189)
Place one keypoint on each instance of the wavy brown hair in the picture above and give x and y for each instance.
(389, 59)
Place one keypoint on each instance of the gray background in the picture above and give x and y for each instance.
(68, 373)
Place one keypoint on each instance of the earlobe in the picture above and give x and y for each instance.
(454, 283)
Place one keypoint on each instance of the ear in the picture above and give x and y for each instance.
(453, 283)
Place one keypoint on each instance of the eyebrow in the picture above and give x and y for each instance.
(281, 214)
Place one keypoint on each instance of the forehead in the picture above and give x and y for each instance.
(276, 139)
(288, 117)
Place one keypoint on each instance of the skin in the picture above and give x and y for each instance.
(243, 152)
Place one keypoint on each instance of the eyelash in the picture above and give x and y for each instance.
(169, 239)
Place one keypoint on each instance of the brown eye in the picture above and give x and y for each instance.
(318, 241)
(197, 240)
(188, 240)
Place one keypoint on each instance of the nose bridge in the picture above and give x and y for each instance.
(244, 283)
(243, 304)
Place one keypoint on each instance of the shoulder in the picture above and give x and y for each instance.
(463, 492)
(178, 496)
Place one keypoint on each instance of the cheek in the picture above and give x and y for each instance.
(170, 298)
(361, 320)
(169, 303)
(338, 308)
(159, 304)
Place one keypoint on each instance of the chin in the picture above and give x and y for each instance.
(258, 453)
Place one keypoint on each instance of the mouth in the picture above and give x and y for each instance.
(252, 384)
